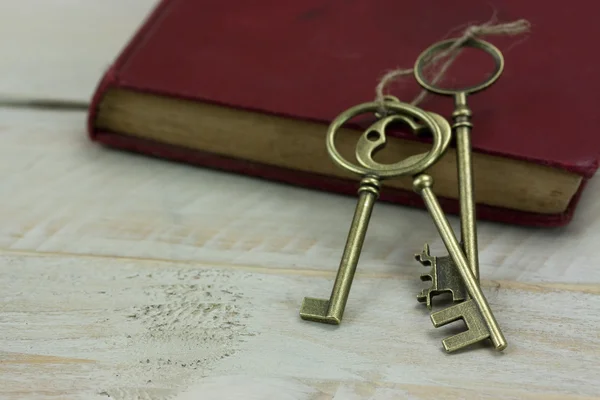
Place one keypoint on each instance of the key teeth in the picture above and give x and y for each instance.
(427, 260)
(438, 279)
(468, 312)
(425, 257)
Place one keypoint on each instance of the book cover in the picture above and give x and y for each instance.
(309, 61)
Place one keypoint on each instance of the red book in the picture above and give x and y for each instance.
(250, 88)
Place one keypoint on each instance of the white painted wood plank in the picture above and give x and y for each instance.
(81, 325)
(62, 193)
(59, 49)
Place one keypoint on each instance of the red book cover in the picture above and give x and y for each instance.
(311, 60)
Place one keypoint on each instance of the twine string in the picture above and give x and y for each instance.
(487, 29)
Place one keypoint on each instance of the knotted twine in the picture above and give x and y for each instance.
(473, 31)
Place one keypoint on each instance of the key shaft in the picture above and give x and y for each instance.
(422, 184)
(444, 274)
(331, 311)
(468, 227)
(462, 128)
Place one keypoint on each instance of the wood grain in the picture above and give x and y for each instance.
(135, 278)
(160, 329)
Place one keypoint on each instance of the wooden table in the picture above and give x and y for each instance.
(127, 277)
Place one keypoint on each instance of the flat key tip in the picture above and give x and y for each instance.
(501, 346)
(317, 310)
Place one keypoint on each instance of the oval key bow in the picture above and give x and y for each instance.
(374, 139)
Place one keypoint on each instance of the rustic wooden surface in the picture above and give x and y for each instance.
(128, 277)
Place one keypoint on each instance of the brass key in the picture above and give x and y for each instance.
(476, 312)
(447, 280)
(331, 310)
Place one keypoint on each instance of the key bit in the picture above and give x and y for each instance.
(444, 278)
(477, 314)
(469, 313)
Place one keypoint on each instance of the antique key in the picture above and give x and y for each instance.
(447, 280)
(476, 312)
(372, 140)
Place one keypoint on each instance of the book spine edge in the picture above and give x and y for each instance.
(330, 184)
(111, 76)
